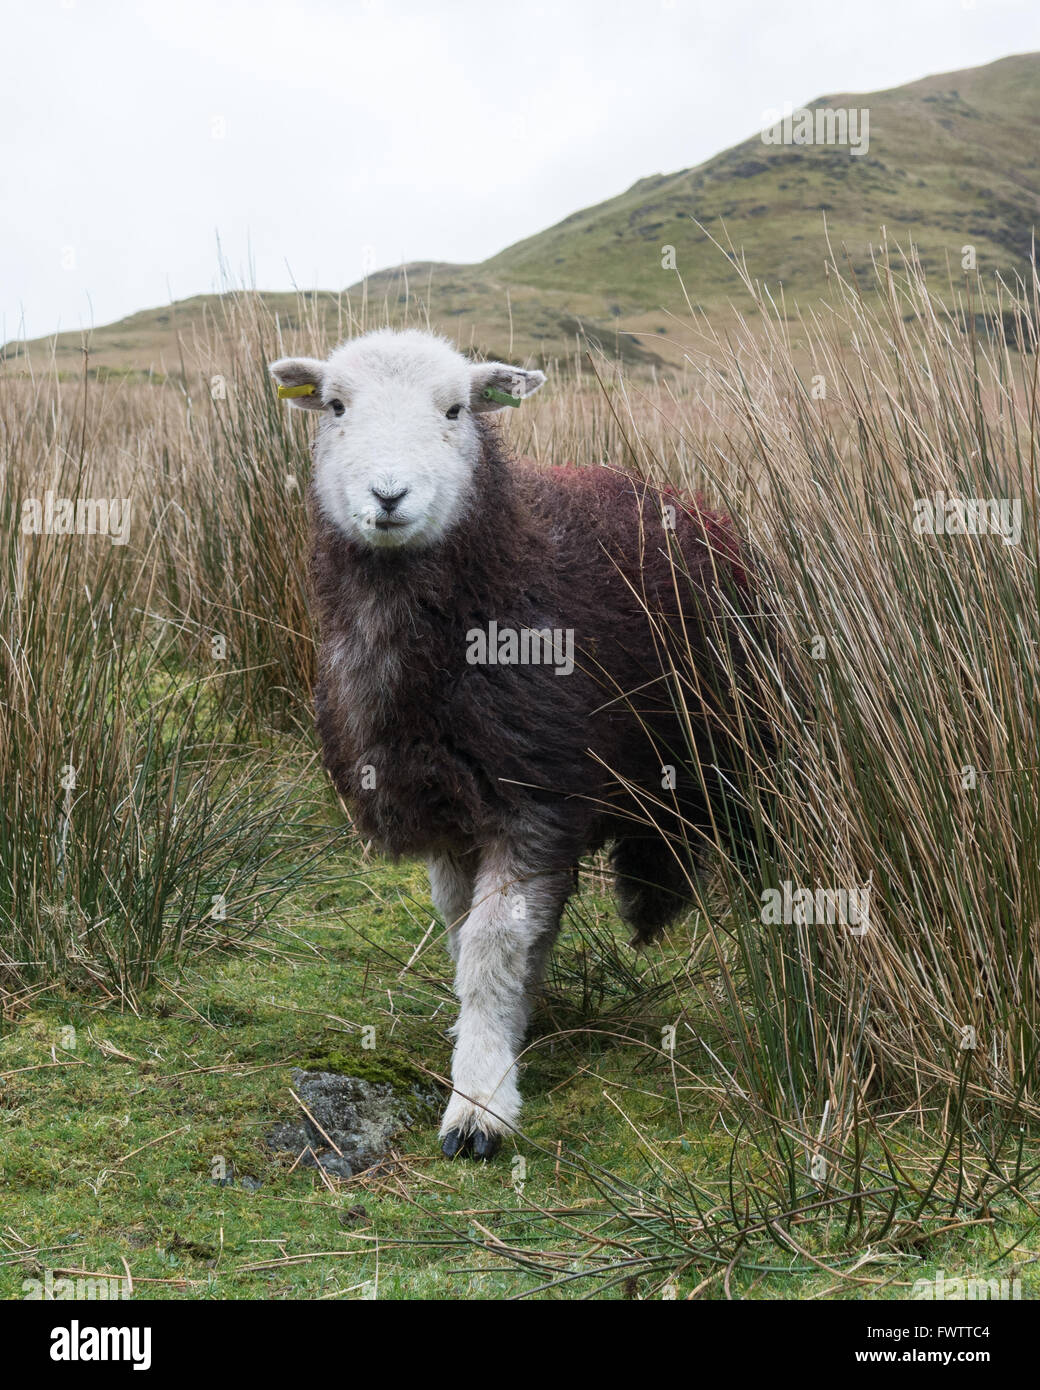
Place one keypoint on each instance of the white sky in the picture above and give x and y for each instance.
(310, 137)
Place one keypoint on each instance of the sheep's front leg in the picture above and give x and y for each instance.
(514, 915)
(451, 887)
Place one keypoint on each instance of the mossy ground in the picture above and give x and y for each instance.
(114, 1137)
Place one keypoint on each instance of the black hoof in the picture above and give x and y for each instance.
(476, 1145)
(454, 1142)
(484, 1146)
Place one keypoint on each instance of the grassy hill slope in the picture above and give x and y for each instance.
(952, 161)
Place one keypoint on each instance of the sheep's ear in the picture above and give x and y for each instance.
(495, 384)
(300, 381)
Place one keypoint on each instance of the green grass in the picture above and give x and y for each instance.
(108, 1148)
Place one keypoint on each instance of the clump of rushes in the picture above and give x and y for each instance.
(140, 817)
(898, 662)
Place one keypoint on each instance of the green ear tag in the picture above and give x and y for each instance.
(287, 393)
(502, 397)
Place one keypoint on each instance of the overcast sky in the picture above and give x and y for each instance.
(316, 138)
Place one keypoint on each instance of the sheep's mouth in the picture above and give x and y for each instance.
(390, 523)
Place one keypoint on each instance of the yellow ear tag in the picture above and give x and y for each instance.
(287, 393)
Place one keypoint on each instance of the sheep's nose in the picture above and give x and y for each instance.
(389, 501)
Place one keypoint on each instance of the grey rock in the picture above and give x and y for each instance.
(362, 1118)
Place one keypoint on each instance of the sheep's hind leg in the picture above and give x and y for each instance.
(514, 909)
(652, 885)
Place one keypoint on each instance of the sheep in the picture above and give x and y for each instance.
(435, 558)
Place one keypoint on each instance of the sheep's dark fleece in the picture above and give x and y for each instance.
(453, 755)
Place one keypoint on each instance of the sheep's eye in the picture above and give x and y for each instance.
(453, 413)
(337, 407)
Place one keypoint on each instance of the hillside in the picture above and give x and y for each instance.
(952, 160)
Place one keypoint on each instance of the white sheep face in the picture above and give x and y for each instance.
(397, 443)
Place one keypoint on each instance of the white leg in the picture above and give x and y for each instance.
(514, 909)
(451, 887)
